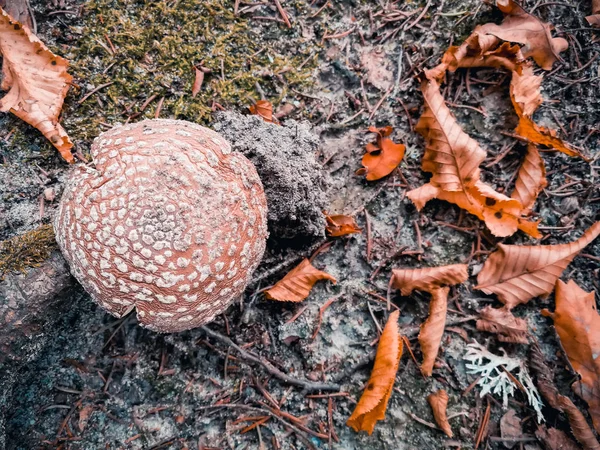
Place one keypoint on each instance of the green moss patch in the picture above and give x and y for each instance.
(28, 250)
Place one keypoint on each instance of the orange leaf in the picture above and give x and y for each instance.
(533, 132)
(439, 402)
(451, 156)
(297, 283)
(264, 109)
(501, 322)
(518, 273)
(36, 80)
(197, 82)
(383, 156)
(432, 280)
(525, 90)
(374, 399)
(577, 324)
(341, 225)
(531, 179)
(501, 214)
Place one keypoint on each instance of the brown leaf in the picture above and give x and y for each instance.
(593, 20)
(518, 273)
(501, 214)
(297, 283)
(577, 324)
(533, 132)
(451, 156)
(432, 280)
(374, 399)
(544, 380)
(264, 109)
(510, 427)
(554, 439)
(341, 225)
(383, 156)
(521, 27)
(84, 416)
(531, 179)
(19, 10)
(501, 322)
(36, 80)
(197, 82)
(439, 402)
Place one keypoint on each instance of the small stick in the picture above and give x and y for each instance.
(102, 86)
(369, 242)
(282, 13)
(159, 107)
(308, 386)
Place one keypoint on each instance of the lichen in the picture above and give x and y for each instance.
(28, 250)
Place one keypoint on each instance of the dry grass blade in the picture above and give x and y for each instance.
(36, 80)
(297, 283)
(518, 273)
(439, 402)
(531, 179)
(373, 402)
(501, 322)
(451, 156)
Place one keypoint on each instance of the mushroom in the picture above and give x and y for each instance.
(170, 223)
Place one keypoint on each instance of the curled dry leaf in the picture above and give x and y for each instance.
(432, 280)
(439, 402)
(373, 402)
(518, 273)
(554, 439)
(381, 157)
(297, 283)
(36, 80)
(544, 380)
(264, 109)
(504, 324)
(577, 324)
(341, 225)
(451, 156)
(531, 179)
(501, 214)
(510, 428)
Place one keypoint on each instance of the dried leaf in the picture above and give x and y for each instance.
(501, 322)
(439, 402)
(525, 90)
(554, 439)
(297, 283)
(501, 214)
(264, 109)
(432, 280)
(521, 27)
(577, 324)
(531, 179)
(198, 82)
(18, 10)
(518, 273)
(341, 225)
(373, 402)
(383, 156)
(533, 132)
(84, 416)
(36, 80)
(451, 156)
(580, 428)
(510, 427)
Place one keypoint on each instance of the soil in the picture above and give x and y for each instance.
(110, 384)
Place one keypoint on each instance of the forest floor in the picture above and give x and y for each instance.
(342, 66)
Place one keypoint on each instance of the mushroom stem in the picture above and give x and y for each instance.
(307, 386)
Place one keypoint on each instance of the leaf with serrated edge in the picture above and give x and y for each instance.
(503, 324)
(439, 402)
(374, 399)
(297, 283)
(518, 273)
(531, 179)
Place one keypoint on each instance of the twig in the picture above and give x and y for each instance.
(86, 96)
(308, 386)
(283, 14)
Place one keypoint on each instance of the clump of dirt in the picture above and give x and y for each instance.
(294, 182)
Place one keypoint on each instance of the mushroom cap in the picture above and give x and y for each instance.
(170, 222)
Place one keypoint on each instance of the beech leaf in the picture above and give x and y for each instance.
(341, 225)
(264, 109)
(518, 273)
(297, 283)
(432, 280)
(381, 157)
(439, 402)
(577, 324)
(374, 399)
(531, 179)
(36, 80)
(554, 439)
(504, 324)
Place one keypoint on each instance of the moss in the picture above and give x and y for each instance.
(28, 250)
(148, 48)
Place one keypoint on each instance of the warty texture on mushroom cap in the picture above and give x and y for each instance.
(170, 222)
